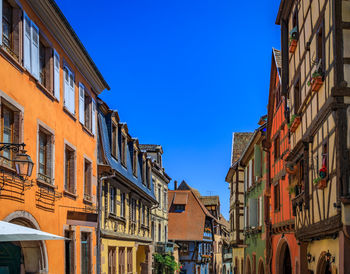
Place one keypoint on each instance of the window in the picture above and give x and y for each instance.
(123, 151)
(85, 252)
(45, 64)
(277, 148)
(277, 201)
(31, 57)
(129, 260)
(179, 208)
(121, 260)
(134, 162)
(86, 109)
(142, 214)
(165, 204)
(320, 47)
(114, 140)
(10, 132)
(69, 170)
(160, 197)
(11, 21)
(295, 19)
(69, 252)
(149, 176)
(133, 210)
(297, 96)
(87, 180)
(184, 249)
(159, 232)
(278, 95)
(69, 93)
(122, 204)
(112, 200)
(144, 171)
(112, 260)
(325, 155)
(45, 156)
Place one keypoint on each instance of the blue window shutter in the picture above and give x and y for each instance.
(72, 93)
(27, 38)
(81, 104)
(56, 76)
(93, 117)
(66, 87)
(35, 51)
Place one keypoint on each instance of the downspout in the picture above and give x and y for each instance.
(99, 221)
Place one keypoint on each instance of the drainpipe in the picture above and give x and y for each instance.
(99, 221)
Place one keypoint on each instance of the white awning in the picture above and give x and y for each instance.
(12, 233)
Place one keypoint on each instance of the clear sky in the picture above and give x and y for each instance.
(184, 74)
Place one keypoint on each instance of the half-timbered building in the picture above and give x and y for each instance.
(235, 178)
(315, 82)
(282, 251)
(191, 227)
(252, 160)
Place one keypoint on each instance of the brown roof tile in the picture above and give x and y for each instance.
(239, 143)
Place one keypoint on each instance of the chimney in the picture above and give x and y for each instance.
(175, 185)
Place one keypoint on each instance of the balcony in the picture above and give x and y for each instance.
(227, 256)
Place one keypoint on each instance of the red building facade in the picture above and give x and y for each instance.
(282, 248)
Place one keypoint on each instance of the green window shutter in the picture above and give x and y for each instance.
(257, 162)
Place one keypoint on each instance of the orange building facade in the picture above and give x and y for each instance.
(282, 249)
(48, 89)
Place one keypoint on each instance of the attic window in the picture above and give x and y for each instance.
(179, 208)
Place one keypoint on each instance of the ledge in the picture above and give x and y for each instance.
(46, 184)
(70, 194)
(69, 113)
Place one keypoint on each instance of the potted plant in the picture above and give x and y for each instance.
(291, 190)
(320, 183)
(294, 122)
(293, 39)
(316, 81)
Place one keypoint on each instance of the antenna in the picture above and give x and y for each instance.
(210, 192)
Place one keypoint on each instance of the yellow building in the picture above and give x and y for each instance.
(316, 82)
(126, 196)
(160, 181)
(48, 89)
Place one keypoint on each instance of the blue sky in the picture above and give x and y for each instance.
(184, 74)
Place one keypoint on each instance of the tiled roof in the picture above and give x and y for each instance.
(239, 143)
(189, 224)
(210, 200)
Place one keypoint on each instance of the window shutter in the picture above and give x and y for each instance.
(253, 210)
(250, 173)
(27, 38)
(66, 88)
(35, 51)
(93, 117)
(257, 162)
(49, 69)
(16, 127)
(245, 217)
(72, 94)
(81, 104)
(261, 211)
(56, 75)
(16, 30)
(245, 180)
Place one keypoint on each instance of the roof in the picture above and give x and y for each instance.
(278, 58)
(77, 40)
(189, 224)
(239, 143)
(210, 200)
(180, 198)
(126, 173)
(224, 222)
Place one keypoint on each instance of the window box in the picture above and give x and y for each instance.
(294, 123)
(316, 81)
(320, 183)
(293, 45)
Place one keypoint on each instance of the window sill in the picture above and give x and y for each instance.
(87, 201)
(46, 184)
(88, 131)
(70, 194)
(11, 59)
(47, 92)
(6, 167)
(69, 113)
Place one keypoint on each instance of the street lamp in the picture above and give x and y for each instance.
(23, 162)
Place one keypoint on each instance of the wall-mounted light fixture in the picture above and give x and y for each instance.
(310, 258)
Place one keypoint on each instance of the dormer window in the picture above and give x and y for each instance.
(134, 161)
(144, 171)
(149, 176)
(123, 150)
(114, 140)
